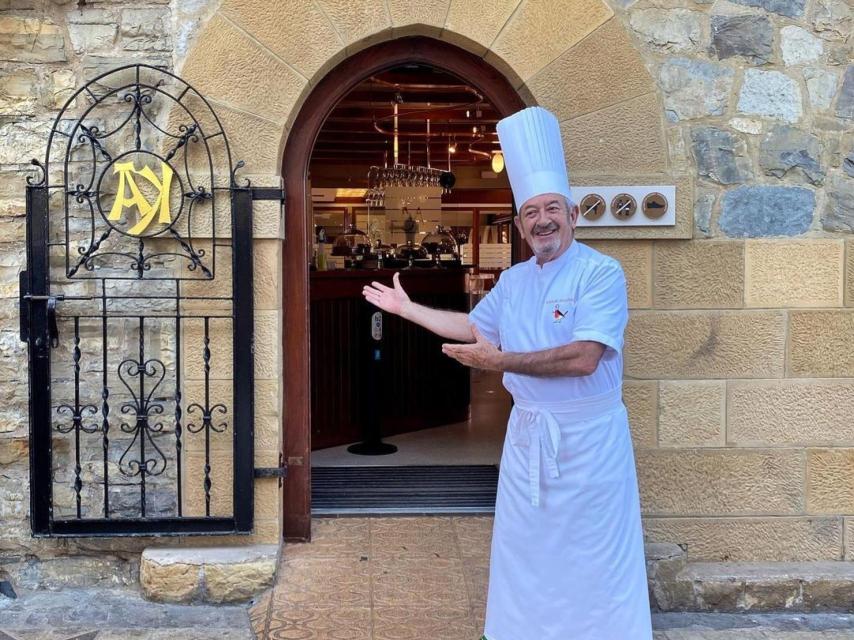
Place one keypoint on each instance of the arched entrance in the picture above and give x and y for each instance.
(306, 126)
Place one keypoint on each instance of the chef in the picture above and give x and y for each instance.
(567, 559)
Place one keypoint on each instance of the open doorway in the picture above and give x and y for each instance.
(444, 220)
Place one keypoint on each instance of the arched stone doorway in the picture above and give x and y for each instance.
(262, 65)
(337, 83)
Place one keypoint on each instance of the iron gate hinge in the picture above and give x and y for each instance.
(268, 193)
(280, 472)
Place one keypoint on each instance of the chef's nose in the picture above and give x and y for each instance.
(543, 218)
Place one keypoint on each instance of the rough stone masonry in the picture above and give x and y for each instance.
(739, 358)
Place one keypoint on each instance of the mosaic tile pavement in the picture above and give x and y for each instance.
(381, 579)
(361, 579)
(408, 578)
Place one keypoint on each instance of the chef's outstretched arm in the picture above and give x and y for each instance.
(448, 324)
(574, 359)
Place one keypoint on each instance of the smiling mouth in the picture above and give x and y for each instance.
(545, 234)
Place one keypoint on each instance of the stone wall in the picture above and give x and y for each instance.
(47, 51)
(739, 358)
(739, 361)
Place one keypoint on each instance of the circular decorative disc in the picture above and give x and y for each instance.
(654, 205)
(623, 206)
(140, 194)
(592, 206)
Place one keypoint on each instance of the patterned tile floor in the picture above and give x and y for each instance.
(425, 578)
(381, 579)
(361, 579)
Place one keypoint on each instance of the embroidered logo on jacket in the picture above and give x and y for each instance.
(558, 314)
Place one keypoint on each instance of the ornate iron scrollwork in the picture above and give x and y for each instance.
(144, 208)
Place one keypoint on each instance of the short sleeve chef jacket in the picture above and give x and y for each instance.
(581, 295)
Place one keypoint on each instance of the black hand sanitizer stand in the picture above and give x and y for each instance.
(372, 444)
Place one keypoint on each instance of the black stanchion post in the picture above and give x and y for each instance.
(372, 444)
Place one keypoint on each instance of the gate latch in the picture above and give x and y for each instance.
(52, 329)
(25, 314)
(280, 472)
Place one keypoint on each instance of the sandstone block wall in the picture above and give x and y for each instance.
(739, 357)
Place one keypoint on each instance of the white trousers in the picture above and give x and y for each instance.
(567, 557)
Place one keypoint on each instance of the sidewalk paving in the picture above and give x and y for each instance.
(360, 579)
(115, 614)
(425, 577)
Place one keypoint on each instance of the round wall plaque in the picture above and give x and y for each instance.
(654, 205)
(592, 206)
(623, 206)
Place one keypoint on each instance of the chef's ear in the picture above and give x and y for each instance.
(573, 210)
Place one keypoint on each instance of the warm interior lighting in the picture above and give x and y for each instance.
(498, 162)
(350, 192)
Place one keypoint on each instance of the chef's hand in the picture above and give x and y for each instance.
(481, 354)
(391, 299)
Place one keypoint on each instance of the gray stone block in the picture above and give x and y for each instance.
(786, 148)
(749, 36)
(799, 46)
(669, 29)
(838, 212)
(664, 561)
(703, 204)
(74, 571)
(762, 587)
(720, 155)
(790, 8)
(694, 89)
(845, 104)
(758, 211)
(832, 18)
(821, 85)
(771, 94)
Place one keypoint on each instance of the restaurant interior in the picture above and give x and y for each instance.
(406, 176)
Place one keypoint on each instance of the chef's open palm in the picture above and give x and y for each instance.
(391, 299)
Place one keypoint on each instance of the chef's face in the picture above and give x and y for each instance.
(547, 223)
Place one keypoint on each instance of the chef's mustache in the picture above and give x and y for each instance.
(549, 227)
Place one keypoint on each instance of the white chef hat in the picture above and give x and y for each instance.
(533, 154)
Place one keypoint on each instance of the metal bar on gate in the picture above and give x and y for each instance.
(38, 270)
(244, 349)
(143, 527)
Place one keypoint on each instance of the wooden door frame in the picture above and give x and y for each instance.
(296, 436)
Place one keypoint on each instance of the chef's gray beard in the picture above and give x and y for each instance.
(546, 250)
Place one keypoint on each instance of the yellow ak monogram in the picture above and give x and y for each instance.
(126, 171)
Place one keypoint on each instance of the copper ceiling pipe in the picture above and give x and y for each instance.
(477, 152)
(419, 134)
(427, 87)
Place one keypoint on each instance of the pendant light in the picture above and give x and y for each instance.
(498, 162)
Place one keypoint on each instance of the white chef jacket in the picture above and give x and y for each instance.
(581, 295)
(567, 557)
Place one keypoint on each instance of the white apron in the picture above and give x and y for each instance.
(567, 548)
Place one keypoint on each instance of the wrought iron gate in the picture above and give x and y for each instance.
(137, 308)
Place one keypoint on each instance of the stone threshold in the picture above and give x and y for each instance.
(740, 587)
(207, 574)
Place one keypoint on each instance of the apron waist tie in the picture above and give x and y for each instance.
(544, 434)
